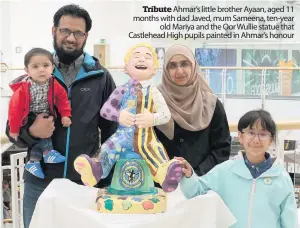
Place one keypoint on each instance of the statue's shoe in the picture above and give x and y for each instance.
(169, 175)
(89, 169)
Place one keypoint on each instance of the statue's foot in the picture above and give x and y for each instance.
(89, 169)
(173, 176)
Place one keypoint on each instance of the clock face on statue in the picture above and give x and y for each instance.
(132, 175)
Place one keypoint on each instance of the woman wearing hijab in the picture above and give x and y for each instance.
(198, 130)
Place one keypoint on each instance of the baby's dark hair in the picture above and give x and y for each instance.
(37, 52)
(251, 117)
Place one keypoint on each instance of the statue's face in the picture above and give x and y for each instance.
(141, 65)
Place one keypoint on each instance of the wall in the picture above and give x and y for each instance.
(26, 27)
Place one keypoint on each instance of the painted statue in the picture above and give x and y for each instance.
(137, 106)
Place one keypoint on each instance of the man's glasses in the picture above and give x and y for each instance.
(262, 136)
(181, 64)
(66, 32)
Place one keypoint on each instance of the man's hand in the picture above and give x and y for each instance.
(42, 127)
(126, 118)
(145, 119)
(187, 169)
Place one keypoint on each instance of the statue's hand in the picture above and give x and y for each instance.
(126, 118)
(145, 119)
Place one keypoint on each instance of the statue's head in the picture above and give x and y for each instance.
(141, 62)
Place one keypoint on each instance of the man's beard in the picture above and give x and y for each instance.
(67, 57)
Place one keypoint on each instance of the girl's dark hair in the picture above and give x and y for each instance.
(74, 11)
(35, 52)
(251, 117)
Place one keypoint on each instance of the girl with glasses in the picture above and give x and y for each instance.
(255, 187)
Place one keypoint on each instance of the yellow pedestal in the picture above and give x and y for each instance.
(131, 204)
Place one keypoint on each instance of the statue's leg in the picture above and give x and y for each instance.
(166, 172)
(92, 169)
(110, 152)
